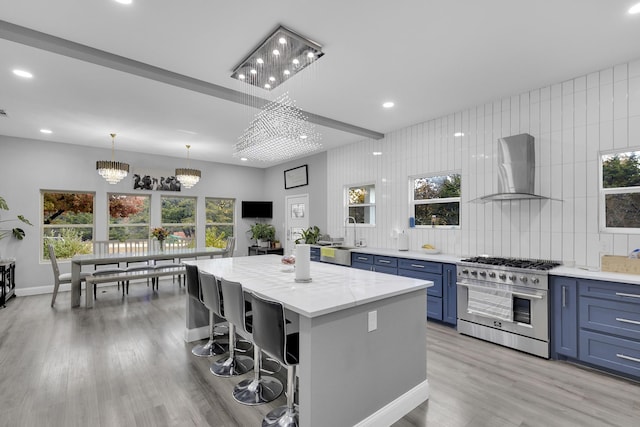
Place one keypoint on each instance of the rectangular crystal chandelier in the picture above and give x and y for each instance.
(278, 132)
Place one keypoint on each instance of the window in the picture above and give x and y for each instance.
(436, 200)
(67, 223)
(362, 204)
(128, 217)
(179, 217)
(620, 192)
(220, 221)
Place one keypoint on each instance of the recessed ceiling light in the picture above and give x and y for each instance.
(457, 134)
(243, 159)
(46, 131)
(635, 9)
(124, 1)
(23, 73)
(377, 153)
(388, 104)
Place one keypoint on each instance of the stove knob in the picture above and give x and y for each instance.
(492, 274)
(503, 276)
(483, 273)
(512, 277)
(535, 280)
(523, 279)
(474, 273)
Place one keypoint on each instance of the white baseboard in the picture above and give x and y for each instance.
(397, 409)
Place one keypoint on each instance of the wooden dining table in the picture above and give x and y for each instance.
(77, 261)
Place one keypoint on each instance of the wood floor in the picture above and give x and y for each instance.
(125, 363)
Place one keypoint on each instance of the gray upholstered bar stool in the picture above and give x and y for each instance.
(270, 333)
(260, 389)
(233, 310)
(194, 290)
(211, 300)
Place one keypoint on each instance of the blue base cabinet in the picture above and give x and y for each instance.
(597, 323)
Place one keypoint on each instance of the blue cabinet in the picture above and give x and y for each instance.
(315, 253)
(450, 294)
(564, 334)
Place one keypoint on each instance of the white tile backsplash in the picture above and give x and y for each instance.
(572, 122)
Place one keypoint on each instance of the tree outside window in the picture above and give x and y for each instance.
(436, 200)
(220, 221)
(179, 217)
(128, 217)
(67, 223)
(620, 191)
(362, 204)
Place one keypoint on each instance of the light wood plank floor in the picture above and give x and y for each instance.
(125, 363)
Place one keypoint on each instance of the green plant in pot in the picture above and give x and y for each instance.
(263, 233)
(16, 232)
(310, 236)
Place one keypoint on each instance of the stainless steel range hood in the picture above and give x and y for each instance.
(516, 170)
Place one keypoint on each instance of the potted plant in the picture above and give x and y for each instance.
(263, 234)
(16, 232)
(276, 244)
(310, 236)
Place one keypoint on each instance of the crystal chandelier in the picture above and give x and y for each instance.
(188, 177)
(279, 131)
(111, 170)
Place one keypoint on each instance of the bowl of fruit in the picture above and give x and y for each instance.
(430, 249)
(289, 262)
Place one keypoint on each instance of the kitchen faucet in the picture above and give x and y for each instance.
(346, 224)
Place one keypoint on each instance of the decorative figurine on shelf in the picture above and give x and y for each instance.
(160, 233)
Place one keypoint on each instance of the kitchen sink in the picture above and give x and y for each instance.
(340, 255)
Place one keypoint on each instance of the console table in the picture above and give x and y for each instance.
(257, 250)
(7, 281)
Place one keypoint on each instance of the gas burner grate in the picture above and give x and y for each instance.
(532, 264)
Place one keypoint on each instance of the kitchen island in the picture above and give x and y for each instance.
(363, 357)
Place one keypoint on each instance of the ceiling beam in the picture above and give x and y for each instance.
(39, 40)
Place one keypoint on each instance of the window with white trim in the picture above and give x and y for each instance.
(178, 216)
(436, 200)
(361, 204)
(128, 216)
(67, 223)
(220, 221)
(620, 192)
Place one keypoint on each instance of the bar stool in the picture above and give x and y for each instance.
(233, 310)
(270, 333)
(260, 389)
(194, 291)
(211, 300)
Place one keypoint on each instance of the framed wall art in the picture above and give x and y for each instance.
(296, 177)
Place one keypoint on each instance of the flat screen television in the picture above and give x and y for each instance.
(257, 209)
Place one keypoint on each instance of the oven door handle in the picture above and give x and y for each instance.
(519, 294)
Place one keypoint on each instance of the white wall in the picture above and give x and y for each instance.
(572, 122)
(28, 166)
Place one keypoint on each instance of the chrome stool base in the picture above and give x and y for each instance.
(281, 417)
(232, 366)
(211, 348)
(256, 392)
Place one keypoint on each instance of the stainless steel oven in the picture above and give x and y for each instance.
(505, 301)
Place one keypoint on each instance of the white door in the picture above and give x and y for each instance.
(296, 219)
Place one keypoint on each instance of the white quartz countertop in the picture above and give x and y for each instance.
(451, 259)
(333, 288)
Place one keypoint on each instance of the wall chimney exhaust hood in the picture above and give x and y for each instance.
(516, 170)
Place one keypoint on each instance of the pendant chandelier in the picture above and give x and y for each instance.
(111, 170)
(188, 177)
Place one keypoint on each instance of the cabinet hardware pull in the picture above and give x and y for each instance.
(621, 294)
(417, 265)
(620, 319)
(633, 359)
(527, 295)
(449, 278)
(384, 261)
(564, 296)
(362, 258)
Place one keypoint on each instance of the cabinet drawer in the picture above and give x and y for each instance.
(361, 258)
(315, 254)
(361, 265)
(385, 261)
(612, 317)
(609, 352)
(418, 265)
(435, 290)
(385, 269)
(434, 307)
(610, 290)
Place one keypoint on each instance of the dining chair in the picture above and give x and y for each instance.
(60, 277)
(134, 247)
(231, 245)
(105, 248)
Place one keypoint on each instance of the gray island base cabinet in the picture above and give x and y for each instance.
(597, 322)
(363, 358)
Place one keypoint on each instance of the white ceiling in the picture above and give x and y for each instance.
(431, 57)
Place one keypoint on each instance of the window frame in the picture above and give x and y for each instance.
(371, 206)
(604, 192)
(108, 215)
(413, 202)
(213, 224)
(169, 225)
(44, 226)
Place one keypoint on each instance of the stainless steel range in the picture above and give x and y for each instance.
(505, 301)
